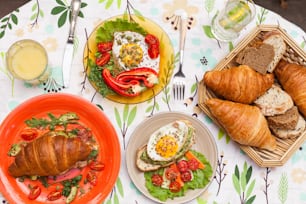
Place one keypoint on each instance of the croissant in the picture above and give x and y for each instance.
(240, 84)
(244, 123)
(292, 77)
(49, 156)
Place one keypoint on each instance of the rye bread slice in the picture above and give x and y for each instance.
(288, 120)
(257, 58)
(288, 133)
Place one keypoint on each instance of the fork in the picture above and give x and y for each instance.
(179, 77)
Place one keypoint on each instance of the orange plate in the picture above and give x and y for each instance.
(90, 115)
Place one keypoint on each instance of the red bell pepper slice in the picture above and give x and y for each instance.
(124, 89)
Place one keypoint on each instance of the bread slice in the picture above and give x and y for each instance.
(258, 59)
(288, 120)
(287, 133)
(274, 102)
(279, 45)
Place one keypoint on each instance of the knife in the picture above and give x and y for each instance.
(68, 53)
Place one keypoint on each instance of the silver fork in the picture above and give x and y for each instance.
(179, 77)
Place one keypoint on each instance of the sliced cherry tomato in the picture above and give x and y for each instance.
(34, 192)
(171, 174)
(193, 164)
(157, 179)
(29, 134)
(103, 59)
(182, 165)
(96, 165)
(105, 47)
(54, 195)
(175, 187)
(153, 51)
(186, 176)
(92, 178)
(151, 40)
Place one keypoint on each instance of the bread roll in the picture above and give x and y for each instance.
(245, 124)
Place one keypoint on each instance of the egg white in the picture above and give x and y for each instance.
(121, 38)
(177, 130)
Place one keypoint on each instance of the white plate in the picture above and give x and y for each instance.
(205, 144)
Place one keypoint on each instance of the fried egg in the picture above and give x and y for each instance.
(165, 143)
(131, 51)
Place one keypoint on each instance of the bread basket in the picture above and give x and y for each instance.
(293, 54)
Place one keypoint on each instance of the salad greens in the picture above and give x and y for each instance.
(201, 178)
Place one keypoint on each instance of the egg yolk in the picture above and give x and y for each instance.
(166, 146)
(131, 54)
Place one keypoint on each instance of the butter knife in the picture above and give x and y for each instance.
(68, 53)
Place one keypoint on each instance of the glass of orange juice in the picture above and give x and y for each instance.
(27, 60)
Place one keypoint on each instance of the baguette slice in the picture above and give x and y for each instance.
(279, 45)
(287, 133)
(274, 102)
(288, 120)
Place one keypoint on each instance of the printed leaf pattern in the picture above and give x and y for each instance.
(221, 134)
(242, 185)
(7, 22)
(220, 174)
(64, 11)
(261, 16)
(5, 71)
(207, 31)
(209, 5)
(127, 119)
(151, 108)
(113, 198)
(109, 3)
(37, 12)
(283, 188)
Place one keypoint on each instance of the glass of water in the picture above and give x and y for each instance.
(227, 23)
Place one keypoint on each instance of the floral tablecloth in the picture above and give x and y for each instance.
(47, 22)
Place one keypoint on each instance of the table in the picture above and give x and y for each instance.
(45, 22)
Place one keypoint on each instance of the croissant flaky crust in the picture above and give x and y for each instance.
(244, 123)
(292, 77)
(49, 156)
(239, 84)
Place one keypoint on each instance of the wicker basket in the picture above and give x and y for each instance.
(294, 54)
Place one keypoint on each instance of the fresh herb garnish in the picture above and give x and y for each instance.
(68, 184)
(93, 154)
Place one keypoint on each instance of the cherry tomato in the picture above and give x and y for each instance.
(182, 165)
(186, 176)
(29, 134)
(92, 178)
(34, 192)
(157, 179)
(171, 174)
(54, 195)
(153, 51)
(105, 47)
(175, 187)
(96, 165)
(103, 59)
(151, 40)
(193, 164)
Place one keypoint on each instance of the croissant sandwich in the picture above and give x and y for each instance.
(293, 79)
(240, 84)
(244, 123)
(49, 156)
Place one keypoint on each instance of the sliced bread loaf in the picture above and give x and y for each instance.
(257, 58)
(287, 133)
(274, 102)
(279, 45)
(288, 120)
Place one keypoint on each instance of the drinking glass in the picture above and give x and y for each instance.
(27, 60)
(227, 24)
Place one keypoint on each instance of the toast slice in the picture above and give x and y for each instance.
(288, 120)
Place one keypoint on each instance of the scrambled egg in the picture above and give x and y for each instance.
(131, 51)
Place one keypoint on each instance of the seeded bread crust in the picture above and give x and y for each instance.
(287, 133)
(258, 59)
(288, 120)
(274, 102)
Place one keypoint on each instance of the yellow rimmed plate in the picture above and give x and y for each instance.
(166, 64)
